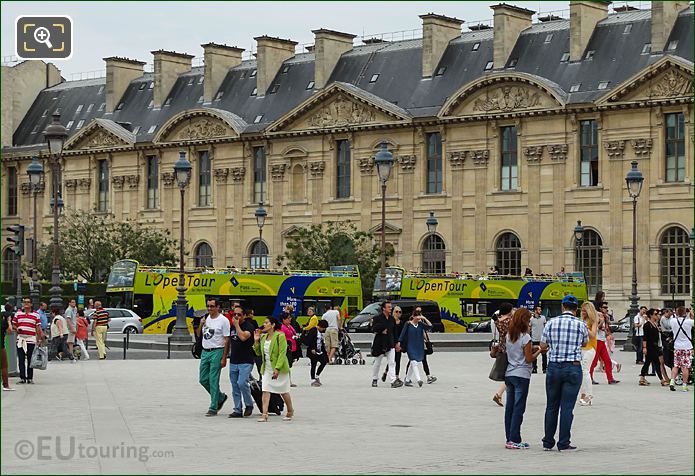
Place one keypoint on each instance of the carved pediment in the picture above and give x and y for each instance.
(200, 125)
(503, 94)
(668, 78)
(100, 134)
(339, 105)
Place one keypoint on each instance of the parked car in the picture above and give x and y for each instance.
(362, 322)
(483, 325)
(122, 320)
(623, 325)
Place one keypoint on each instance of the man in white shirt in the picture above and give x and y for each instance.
(331, 339)
(215, 329)
(71, 321)
(537, 326)
(682, 327)
(638, 321)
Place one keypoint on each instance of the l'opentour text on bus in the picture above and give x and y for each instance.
(464, 298)
(151, 292)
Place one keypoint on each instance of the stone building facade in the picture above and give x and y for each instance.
(508, 134)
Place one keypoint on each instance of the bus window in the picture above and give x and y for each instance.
(143, 305)
(352, 306)
(122, 275)
(394, 277)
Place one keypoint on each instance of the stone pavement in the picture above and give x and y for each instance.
(146, 416)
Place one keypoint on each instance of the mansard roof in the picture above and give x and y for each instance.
(617, 57)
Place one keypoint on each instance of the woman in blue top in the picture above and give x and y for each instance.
(520, 355)
(412, 341)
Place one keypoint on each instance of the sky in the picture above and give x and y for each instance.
(134, 29)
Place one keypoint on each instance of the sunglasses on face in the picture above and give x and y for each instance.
(211, 306)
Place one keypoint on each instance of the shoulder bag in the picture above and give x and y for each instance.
(499, 367)
(429, 348)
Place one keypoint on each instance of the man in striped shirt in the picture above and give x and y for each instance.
(27, 324)
(100, 324)
(564, 336)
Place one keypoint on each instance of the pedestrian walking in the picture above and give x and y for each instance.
(590, 318)
(100, 324)
(563, 338)
(316, 350)
(502, 326)
(521, 353)
(214, 328)
(604, 330)
(6, 330)
(537, 325)
(412, 342)
(59, 336)
(400, 321)
(667, 337)
(71, 321)
(332, 316)
(27, 324)
(651, 344)
(383, 345)
(82, 333)
(683, 347)
(241, 360)
(272, 347)
(43, 315)
(291, 337)
(637, 339)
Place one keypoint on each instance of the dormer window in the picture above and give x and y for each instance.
(672, 45)
(310, 85)
(201, 79)
(79, 125)
(101, 90)
(253, 74)
(440, 71)
(45, 113)
(565, 58)
(374, 78)
(152, 129)
(119, 107)
(151, 85)
(219, 95)
(575, 87)
(275, 88)
(603, 84)
(102, 106)
(475, 46)
(143, 86)
(200, 100)
(151, 104)
(489, 65)
(647, 48)
(258, 119)
(548, 38)
(69, 126)
(136, 130)
(79, 109)
(589, 55)
(167, 102)
(190, 81)
(285, 69)
(628, 29)
(512, 62)
(254, 92)
(89, 108)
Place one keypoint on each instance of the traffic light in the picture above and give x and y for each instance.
(17, 239)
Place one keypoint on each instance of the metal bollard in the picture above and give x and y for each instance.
(124, 346)
(169, 347)
(127, 337)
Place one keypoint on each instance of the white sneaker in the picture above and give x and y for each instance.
(5, 389)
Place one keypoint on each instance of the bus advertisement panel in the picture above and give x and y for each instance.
(463, 299)
(152, 292)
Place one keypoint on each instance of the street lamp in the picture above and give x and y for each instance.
(55, 135)
(260, 214)
(692, 282)
(182, 172)
(634, 181)
(432, 223)
(578, 240)
(35, 172)
(384, 162)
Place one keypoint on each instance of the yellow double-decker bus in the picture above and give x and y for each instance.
(464, 298)
(151, 291)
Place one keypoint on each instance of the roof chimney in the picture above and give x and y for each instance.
(219, 59)
(329, 45)
(509, 22)
(437, 32)
(167, 67)
(119, 73)
(664, 15)
(270, 54)
(584, 15)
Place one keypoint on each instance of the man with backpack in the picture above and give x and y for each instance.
(682, 328)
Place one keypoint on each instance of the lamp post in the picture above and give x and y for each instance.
(35, 172)
(633, 181)
(384, 162)
(260, 215)
(182, 172)
(578, 240)
(55, 134)
(692, 281)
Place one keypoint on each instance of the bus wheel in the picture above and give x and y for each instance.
(170, 329)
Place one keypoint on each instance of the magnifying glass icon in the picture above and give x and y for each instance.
(42, 35)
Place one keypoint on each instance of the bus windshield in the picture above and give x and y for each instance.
(394, 277)
(122, 275)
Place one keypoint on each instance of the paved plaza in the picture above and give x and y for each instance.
(146, 416)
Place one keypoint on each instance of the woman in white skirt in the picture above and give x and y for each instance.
(590, 318)
(272, 347)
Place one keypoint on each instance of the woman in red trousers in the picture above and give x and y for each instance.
(601, 348)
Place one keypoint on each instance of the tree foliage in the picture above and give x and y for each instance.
(91, 242)
(319, 247)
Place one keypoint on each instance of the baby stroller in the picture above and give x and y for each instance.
(347, 353)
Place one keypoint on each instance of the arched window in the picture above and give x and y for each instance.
(433, 255)
(9, 265)
(259, 255)
(675, 261)
(508, 254)
(297, 183)
(589, 260)
(203, 256)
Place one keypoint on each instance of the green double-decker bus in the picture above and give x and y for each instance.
(464, 298)
(151, 291)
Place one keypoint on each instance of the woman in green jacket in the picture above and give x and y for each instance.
(275, 370)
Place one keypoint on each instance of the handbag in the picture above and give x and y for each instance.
(429, 348)
(39, 358)
(499, 367)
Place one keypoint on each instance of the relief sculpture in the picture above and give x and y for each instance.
(507, 99)
(341, 112)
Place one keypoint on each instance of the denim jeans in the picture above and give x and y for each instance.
(517, 391)
(638, 349)
(239, 376)
(562, 384)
